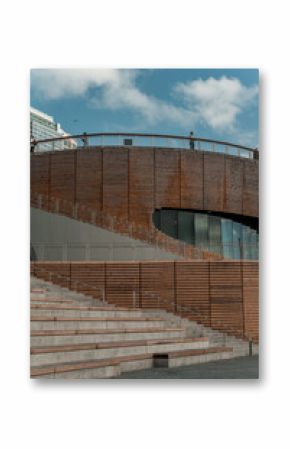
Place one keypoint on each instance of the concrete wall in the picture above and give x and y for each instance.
(56, 237)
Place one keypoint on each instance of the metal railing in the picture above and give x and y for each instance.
(140, 140)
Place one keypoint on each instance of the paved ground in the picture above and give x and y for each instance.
(239, 368)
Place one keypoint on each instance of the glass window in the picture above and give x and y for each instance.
(237, 240)
(215, 234)
(210, 232)
(186, 226)
(201, 230)
(227, 237)
(169, 222)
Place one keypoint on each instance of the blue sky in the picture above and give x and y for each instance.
(220, 104)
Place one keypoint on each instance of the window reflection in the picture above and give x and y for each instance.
(220, 235)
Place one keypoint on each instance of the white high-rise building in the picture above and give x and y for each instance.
(43, 126)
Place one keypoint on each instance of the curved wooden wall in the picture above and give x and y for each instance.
(131, 182)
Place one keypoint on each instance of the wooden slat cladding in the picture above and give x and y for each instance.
(233, 200)
(125, 185)
(167, 178)
(192, 290)
(214, 182)
(62, 175)
(122, 283)
(226, 297)
(89, 178)
(88, 278)
(40, 176)
(115, 182)
(191, 166)
(223, 295)
(141, 186)
(39, 173)
(250, 189)
(132, 182)
(56, 272)
(157, 285)
(250, 273)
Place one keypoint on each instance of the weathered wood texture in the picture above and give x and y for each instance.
(131, 182)
(223, 295)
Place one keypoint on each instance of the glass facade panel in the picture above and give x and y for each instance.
(219, 235)
(201, 230)
(186, 226)
(214, 234)
(237, 240)
(227, 237)
(168, 222)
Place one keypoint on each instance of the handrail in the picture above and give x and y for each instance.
(192, 142)
(165, 136)
(177, 308)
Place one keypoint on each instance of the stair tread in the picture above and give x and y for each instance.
(56, 332)
(188, 352)
(89, 318)
(88, 308)
(88, 364)
(112, 344)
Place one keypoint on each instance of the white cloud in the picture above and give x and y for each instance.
(117, 90)
(217, 102)
(52, 84)
(214, 102)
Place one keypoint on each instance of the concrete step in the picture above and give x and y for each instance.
(94, 369)
(51, 301)
(47, 310)
(183, 358)
(46, 338)
(108, 368)
(44, 323)
(94, 351)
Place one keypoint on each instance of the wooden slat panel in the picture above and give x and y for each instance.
(62, 183)
(251, 188)
(227, 290)
(214, 184)
(226, 297)
(122, 283)
(167, 178)
(115, 182)
(191, 180)
(141, 182)
(56, 272)
(251, 299)
(233, 185)
(89, 178)
(88, 278)
(157, 285)
(192, 290)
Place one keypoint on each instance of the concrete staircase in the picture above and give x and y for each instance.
(75, 336)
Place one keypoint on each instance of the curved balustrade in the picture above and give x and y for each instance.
(137, 140)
